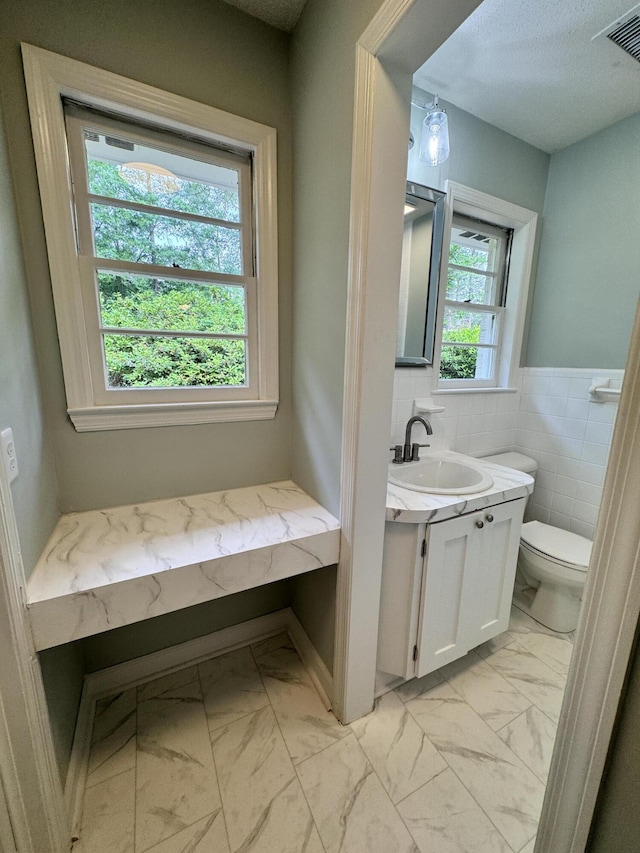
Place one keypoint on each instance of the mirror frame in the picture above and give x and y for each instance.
(420, 192)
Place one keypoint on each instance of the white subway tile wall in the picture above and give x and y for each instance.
(569, 436)
(550, 418)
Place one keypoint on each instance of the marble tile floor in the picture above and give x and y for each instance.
(239, 755)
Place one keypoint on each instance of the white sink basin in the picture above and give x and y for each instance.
(440, 476)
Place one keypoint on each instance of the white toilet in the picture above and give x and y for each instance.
(552, 563)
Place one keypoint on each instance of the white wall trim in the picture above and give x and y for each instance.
(378, 180)
(93, 418)
(132, 673)
(30, 771)
(605, 636)
(367, 380)
(320, 675)
(471, 202)
(49, 77)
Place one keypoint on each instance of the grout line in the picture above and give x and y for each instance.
(235, 719)
(328, 746)
(108, 758)
(518, 763)
(275, 716)
(516, 691)
(382, 785)
(444, 757)
(213, 757)
(428, 782)
(304, 794)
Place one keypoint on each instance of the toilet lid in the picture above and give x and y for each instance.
(560, 545)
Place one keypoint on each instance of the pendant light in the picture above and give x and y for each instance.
(434, 140)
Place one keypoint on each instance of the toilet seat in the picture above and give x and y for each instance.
(559, 546)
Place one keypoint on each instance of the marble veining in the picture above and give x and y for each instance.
(350, 806)
(207, 835)
(508, 791)
(426, 760)
(107, 568)
(489, 694)
(306, 725)
(543, 686)
(232, 687)
(415, 507)
(109, 816)
(443, 817)
(402, 755)
(532, 737)
(176, 782)
(263, 801)
(113, 741)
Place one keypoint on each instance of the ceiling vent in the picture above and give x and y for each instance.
(625, 32)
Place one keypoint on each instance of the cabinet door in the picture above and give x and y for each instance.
(400, 597)
(442, 632)
(491, 571)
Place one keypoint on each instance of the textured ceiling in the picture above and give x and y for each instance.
(530, 68)
(282, 14)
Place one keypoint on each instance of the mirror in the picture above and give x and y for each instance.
(419, 273)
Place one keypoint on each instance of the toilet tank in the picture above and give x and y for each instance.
(518, 461)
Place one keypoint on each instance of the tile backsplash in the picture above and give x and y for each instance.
(550, 418)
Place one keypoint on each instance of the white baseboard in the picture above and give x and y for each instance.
(132, 673)
(78, 761)
(320, 675)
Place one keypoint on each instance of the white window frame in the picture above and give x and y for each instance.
(466, 201)
(495, 306)
(49, 79)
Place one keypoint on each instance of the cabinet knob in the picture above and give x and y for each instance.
(489, 518)
(479, 523)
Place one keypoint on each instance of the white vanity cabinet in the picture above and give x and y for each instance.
(446, 587)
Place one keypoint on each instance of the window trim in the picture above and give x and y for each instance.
(466, 201)
(49, 78)
(495, 306)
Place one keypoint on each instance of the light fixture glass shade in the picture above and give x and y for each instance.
(434, 140)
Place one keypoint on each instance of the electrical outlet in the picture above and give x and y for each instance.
(9, 457)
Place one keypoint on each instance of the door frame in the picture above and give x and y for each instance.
(399, 39)
(32, 785)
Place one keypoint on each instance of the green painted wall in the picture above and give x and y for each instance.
(323, 54)
(487, 159)
(143, 638)
(35, 493)
(63, 672)
(588, 278)
(482, 157)
(213, 53)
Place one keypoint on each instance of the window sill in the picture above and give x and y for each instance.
(447, 391)
(95, 418)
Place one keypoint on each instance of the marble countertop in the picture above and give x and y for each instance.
(412, 507)
(107, 568)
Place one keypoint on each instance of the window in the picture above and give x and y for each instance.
(161, 232)
(484, 282)
(474, 302)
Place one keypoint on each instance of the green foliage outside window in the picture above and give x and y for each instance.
(459, 362)
(139, 302)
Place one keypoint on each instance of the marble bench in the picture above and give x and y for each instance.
(107, 568)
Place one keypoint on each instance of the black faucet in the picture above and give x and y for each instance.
(410, 451)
